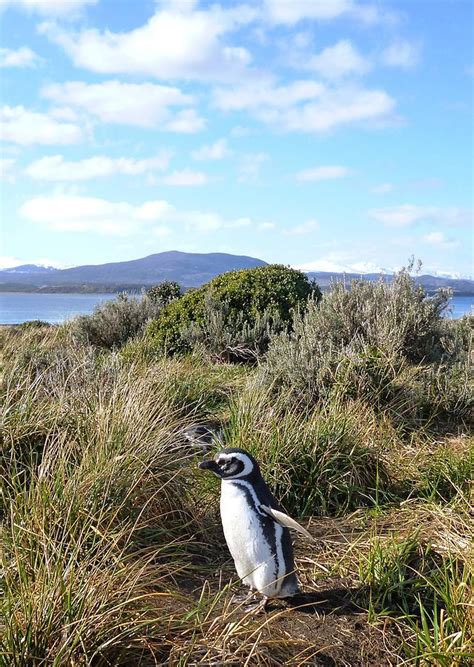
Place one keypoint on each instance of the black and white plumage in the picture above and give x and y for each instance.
(255, 528)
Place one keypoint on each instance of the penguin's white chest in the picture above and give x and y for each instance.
(256, 559)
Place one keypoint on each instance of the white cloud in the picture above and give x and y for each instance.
(266, 226)
(161, 232)
(241, 222)
(401, 54)
(337, 107)
(186, 121)
(144, 105)
(292, 11)
(434, 237)
(8, 262)
(306, 106)
(263, 94)
(21, 126)
(305, 228)
(406, 215)
(178, 42)
(59, 8)
(74, 213)
(383, 188)
(250, 166)
(7, 169)
(440, 240)
(240, 131)
(64, 113)
(67, 213)
(338, 61)
(22, 57)
(56, 168)
(186, 177)
(216, 151)
(322, 173)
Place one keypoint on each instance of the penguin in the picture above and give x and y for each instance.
(256, 530)
(202, 437)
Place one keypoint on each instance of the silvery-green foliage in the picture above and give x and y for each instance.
(114, 322)
(228, 336)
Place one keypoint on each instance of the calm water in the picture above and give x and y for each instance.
(461, 305)
(17, 307)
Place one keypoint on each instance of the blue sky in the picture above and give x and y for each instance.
(325, 134)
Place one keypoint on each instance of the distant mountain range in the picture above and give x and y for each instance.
(188, 269)
(459, 286)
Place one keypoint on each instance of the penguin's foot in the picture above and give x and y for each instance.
(244, 598)
(259, 607)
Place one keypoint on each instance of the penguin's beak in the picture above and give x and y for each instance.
(210, 465)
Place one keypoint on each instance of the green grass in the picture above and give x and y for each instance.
(422, 578)
(327, 460)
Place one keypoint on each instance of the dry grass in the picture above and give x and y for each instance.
(110, 544)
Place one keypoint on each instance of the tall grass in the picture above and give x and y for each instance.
(317, 461)
(95, 521)
(422, 577)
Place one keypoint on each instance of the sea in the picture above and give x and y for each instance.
(18, 307)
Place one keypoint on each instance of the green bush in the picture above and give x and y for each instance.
(164, 334)
(165, 292)
(245, 296)
(34, 324)
(226, 336)
(114, 322)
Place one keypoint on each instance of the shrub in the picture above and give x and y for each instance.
(114, 322)
(358, 342)
(397, 317)
(165, 292)
(244, 296)
(227, 336)
(164, 334)
(34, 324)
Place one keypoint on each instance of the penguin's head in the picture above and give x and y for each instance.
(232, 464)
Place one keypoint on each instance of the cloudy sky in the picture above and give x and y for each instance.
(325, 134)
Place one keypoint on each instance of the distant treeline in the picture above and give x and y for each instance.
(116, 288)
(74, 289)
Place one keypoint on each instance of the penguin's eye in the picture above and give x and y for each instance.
(227, 464)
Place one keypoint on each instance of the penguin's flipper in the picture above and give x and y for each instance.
(285, 520)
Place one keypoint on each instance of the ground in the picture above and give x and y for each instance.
(325, 626)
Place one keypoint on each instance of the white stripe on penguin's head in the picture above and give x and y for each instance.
(234, 465)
